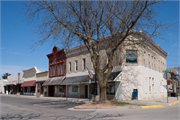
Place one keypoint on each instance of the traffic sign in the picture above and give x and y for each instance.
(167, 76)
(167, 71)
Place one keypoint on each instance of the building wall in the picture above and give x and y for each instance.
(56, 58)
(14, 78)
(145, 55)
(151, 61)
(140, 77)
(42, 76)
(30, 74)
(1, 86)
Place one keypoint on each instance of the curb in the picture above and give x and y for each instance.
(118, 107)
(174, 103)
(152, 106)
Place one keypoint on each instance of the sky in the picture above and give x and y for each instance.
(17, 38)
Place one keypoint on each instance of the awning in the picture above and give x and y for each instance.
(86, 78)
(54, 81)
(29, 83)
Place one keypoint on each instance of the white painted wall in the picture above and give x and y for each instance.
(14, 78)
(139, 77)
(2, 86)
(30, 74)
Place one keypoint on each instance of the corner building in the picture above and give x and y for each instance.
(135, 68)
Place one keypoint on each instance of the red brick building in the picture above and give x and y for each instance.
(57, 73)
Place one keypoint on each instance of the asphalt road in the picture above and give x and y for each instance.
(21, 108)
(14, 107)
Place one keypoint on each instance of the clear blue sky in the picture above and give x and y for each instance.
(17, 36)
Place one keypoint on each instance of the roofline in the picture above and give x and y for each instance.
(42, 72)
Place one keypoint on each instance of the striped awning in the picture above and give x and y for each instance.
(54, 81)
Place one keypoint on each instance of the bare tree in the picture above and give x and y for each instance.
(90, 22)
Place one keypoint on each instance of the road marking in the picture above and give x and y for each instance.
(174, 103)
(152, 106)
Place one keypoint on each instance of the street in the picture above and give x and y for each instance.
(15, 108)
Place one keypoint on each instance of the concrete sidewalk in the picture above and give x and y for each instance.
(160, 101)
(49, 98)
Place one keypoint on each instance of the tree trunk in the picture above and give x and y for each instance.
(103, 94)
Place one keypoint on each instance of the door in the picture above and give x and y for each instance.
(86, 91)
(51, 90)
(153, 90)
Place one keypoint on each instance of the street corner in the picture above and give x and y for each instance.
(152, 106)
(174, 103)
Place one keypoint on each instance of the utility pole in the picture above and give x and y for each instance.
(167, 85)
(179, 79)
(18, 83)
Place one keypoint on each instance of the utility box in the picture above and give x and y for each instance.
(135, 94)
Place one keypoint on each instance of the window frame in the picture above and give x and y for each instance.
(136, 56)
(54, 69)
(69, 66)
(84, 63)
(51, 70)
(76, 65)
(71, 89)
(59, 69)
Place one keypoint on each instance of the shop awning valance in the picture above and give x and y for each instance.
(86, 78)
(29, 83)
(54, 81)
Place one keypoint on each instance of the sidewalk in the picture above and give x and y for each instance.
(160, 101)
(49, 98)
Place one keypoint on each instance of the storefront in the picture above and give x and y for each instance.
(29, 84)
(52, 87)
(29, 87)
(79, 86)
(40, 79)
(13, 84)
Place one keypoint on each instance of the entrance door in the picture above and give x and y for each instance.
(153, 90)
(86, 91)
(51, 90)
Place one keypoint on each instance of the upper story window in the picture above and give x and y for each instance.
(51, 70)
(84, 64)
(159, 65)
(152, 62)
(144, 58)
(59, 69)
(76, 65)
(69, 66)
(54, 70)
(62, 68)
(149, 61)
(109, 54)
(131, 56)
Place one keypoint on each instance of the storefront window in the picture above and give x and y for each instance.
(110, 89)
(59, 89)
(74, 89)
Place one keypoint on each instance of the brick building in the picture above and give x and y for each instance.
(57, 73)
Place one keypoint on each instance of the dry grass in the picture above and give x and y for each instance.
(100, 104)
